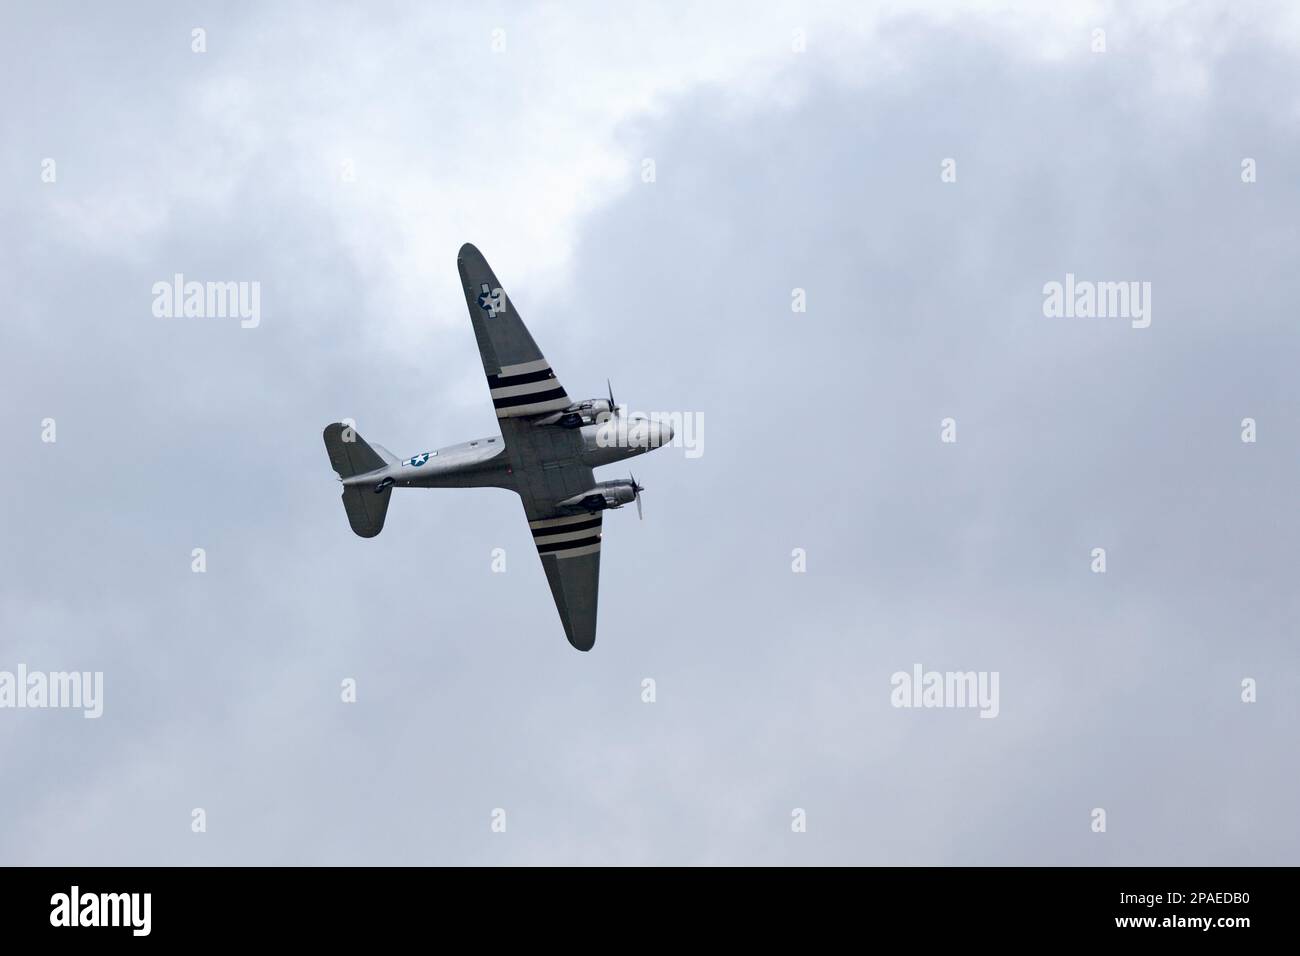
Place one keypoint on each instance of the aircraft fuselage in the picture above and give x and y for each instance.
(483, 463)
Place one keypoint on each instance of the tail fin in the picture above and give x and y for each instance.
(384, 453)
(351, 456)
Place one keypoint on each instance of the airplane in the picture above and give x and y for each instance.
(548, 446)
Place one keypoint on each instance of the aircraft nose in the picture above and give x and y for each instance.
(665, 434)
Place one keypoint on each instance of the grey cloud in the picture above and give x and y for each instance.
(1117, 690)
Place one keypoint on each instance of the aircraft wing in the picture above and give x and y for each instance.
(518, 375)
(569, 547)
(546, 462)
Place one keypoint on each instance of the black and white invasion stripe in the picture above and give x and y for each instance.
(568, 537)
(529, 388)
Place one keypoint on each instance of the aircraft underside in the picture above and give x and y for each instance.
(548, 446)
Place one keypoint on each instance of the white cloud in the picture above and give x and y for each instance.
(451, 141)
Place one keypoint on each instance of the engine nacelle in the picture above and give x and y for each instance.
(592, 407)
(580, 413)
(607, 494)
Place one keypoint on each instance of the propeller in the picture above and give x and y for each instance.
(636, 495)
(613, 409)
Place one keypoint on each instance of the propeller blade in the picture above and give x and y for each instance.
(613, 409)
(636, 496)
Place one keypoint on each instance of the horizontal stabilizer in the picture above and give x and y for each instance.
(348, 451)
(366, 509)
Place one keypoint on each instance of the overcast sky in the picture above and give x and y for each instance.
(339, 156)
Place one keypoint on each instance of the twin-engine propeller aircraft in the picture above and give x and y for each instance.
(547, 449)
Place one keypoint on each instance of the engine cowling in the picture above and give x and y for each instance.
(607, 494)
(581, 413)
